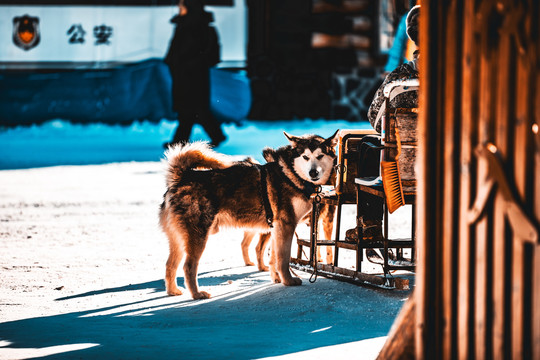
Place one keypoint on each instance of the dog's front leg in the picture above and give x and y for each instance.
(273, 263)
(282, 236)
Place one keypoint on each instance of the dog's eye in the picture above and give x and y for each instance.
(320, 157)
(305, 157)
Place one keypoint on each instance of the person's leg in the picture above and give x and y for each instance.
(183, 131)
(208, 121)
(371, 215)
(213, 128)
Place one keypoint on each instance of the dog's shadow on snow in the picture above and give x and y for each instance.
(248, 317)
(158, 286)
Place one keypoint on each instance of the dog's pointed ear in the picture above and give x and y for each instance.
(292, 139)
(332, 140)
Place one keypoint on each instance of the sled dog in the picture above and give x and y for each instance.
(207, 190)
(326, 217)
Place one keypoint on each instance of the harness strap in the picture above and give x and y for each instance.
(307, 189)
(265, 199)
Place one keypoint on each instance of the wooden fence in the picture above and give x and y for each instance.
(478, 274)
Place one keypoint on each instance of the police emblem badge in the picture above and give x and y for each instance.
(26, 31)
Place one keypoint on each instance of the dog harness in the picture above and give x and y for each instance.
(307, 188)
(264, 196)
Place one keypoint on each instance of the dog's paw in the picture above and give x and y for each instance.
(249, 263)
(201, 295)
(263, 268)
(293, 282)
(174, 292)
(275, 277)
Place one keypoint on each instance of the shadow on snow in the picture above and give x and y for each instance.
(259, 320)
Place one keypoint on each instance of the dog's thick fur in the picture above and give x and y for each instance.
(207, 190)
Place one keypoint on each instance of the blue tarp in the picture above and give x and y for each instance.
(119, 95)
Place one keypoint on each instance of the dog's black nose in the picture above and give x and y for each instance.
(313, 173)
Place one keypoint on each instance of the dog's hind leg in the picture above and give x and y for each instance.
(248, 238)
(281, 248)
(176, 253)
(261, 246)
(194, 248)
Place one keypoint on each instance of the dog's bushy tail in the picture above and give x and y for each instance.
(196, 155)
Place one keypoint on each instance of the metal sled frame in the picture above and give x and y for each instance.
(339, 199)
(384, 280)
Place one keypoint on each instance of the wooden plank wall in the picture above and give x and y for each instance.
(478, 278)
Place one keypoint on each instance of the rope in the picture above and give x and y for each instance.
(317, 199)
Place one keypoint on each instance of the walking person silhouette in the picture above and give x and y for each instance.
(193, 50)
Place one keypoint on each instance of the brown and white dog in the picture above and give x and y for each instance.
(207, 190)
(326, 222)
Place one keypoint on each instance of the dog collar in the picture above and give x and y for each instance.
(307, 188)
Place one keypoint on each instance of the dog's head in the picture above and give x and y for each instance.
(313, 156)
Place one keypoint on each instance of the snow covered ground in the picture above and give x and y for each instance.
(82, 259)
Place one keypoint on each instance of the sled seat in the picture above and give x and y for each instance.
(399, 145)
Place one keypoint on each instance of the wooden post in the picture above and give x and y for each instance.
(478, 280)
(400, 343)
